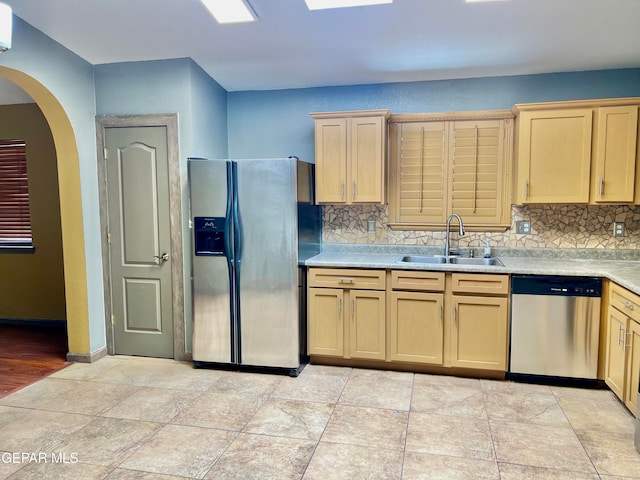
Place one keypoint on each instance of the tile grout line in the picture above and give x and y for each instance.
(493, 441)
(586, 452)
(406, 431)
(333, 409)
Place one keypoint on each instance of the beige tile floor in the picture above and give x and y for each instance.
(135, 418)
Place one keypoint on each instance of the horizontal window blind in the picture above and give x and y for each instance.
(15, 219)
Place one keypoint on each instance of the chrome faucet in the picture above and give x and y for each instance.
(447, 247)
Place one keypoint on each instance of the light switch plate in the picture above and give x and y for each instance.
(523, 227)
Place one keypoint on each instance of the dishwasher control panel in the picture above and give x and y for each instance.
(556, 285)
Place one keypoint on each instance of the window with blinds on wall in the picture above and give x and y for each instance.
(15, 218)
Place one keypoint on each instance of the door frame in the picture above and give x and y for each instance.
(170, 121)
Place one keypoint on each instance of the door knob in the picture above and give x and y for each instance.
(162, 258)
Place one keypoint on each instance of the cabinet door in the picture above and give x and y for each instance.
(367, 160)
(476, 170)
(326, 327)
(416, 327)
(479, 332)
(614, 374)
(554, 156)
(419, 178)
(331, 160)
(367, 324)
(614, 152)
(633, 367)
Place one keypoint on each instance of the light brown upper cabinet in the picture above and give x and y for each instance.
(553, 156)
(577, 152)
(614, 154)
(351, 156)
(455, 164)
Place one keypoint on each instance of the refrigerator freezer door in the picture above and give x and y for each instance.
(213, 337)
(267, 260)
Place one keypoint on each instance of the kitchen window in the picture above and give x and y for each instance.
(452, 162)
(15, 217)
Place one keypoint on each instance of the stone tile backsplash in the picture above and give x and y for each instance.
(553, 226)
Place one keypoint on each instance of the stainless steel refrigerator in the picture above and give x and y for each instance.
(254, 223)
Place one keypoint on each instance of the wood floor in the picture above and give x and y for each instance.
(29, 353)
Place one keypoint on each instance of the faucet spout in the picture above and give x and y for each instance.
(447, 246)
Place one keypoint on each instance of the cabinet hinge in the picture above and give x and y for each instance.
(109, 238)
(105, 152)
(113, 319)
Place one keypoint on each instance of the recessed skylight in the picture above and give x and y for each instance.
(230, 11)
(324, 4)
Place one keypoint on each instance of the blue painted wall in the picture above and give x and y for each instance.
(277, 122)
(209, 115)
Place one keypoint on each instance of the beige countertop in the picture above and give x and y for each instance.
(622, 271)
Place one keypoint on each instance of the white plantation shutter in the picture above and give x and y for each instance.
(15, 218)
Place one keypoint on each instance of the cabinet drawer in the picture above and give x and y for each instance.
(412, 280)
(347, 278)
(480, 283)
(625, 301)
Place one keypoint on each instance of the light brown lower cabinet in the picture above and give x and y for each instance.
(430, 318)
(622, 360)
(479, 332)
(326, 321)
(633, 367)
(347, 322)
(416, 327)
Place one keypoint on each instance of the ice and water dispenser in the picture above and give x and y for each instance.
(209, 236)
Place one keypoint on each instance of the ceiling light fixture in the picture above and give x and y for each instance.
(230, 11)
(6, 22)
(325, 4)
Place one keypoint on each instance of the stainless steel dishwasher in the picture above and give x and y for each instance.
(555, 326)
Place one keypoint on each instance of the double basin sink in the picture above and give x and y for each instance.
(441, 260)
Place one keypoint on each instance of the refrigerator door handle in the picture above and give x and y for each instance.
(237, 258)
(237, 226)
(229, 255)
(228, 223)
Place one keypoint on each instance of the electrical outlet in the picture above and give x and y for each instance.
(371, 226)
(618, 229)
(523, 227)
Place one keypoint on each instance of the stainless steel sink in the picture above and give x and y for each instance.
(493, 261)
(422, 259)
(440, 259)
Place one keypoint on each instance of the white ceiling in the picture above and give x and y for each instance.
(408, 40)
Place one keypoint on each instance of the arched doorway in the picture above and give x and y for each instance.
(73, 246)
